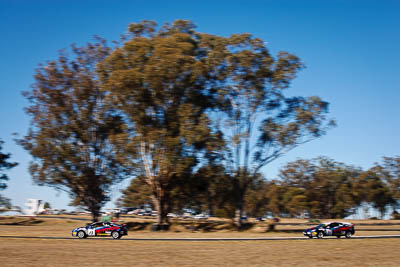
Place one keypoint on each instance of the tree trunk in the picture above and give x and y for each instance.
(210, 205)
(239, 191)
(161, 204)
(382, 212)
(95, 214)
(95, 217)
(238, 217)
(239, 212)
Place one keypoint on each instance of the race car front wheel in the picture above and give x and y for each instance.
(81, 234)
(116, 235)
(320, 235)
(348, 234)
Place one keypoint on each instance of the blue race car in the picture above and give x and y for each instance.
(337, 229)
(116, 231)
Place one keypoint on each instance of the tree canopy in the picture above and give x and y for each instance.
(163, 82)
(327, 188)
(72, 128)
(259, 122)
(167, 104)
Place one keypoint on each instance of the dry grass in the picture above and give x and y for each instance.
(24, 226)
(108, 252)
(332, 252)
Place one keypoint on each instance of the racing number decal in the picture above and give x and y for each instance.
(91, 232)
(328, 231)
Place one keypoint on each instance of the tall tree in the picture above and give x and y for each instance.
(257, 198)
(259, 122)
(375, 191)
(328, 188)
(389, 171)
(275, 194)
(163, 82)
(208, 190)
(138, 193)
(5, 165)
(295, 201)
(72, 128)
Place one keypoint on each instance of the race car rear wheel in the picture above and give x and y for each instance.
(81, 234)
(320, 235)
(116, 235)
(348, 234)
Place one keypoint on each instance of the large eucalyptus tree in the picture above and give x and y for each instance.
(72, 128)
(163, 81)
(259, 121)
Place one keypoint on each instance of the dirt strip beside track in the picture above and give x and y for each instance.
(203, 239)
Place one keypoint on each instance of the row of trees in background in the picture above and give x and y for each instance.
(179, 109)
(316, 188)
(324, 188)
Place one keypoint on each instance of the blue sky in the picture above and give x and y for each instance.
(350, 49)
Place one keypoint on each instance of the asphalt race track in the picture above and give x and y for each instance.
(204, 239)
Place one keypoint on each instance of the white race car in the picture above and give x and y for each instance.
(116, 231)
